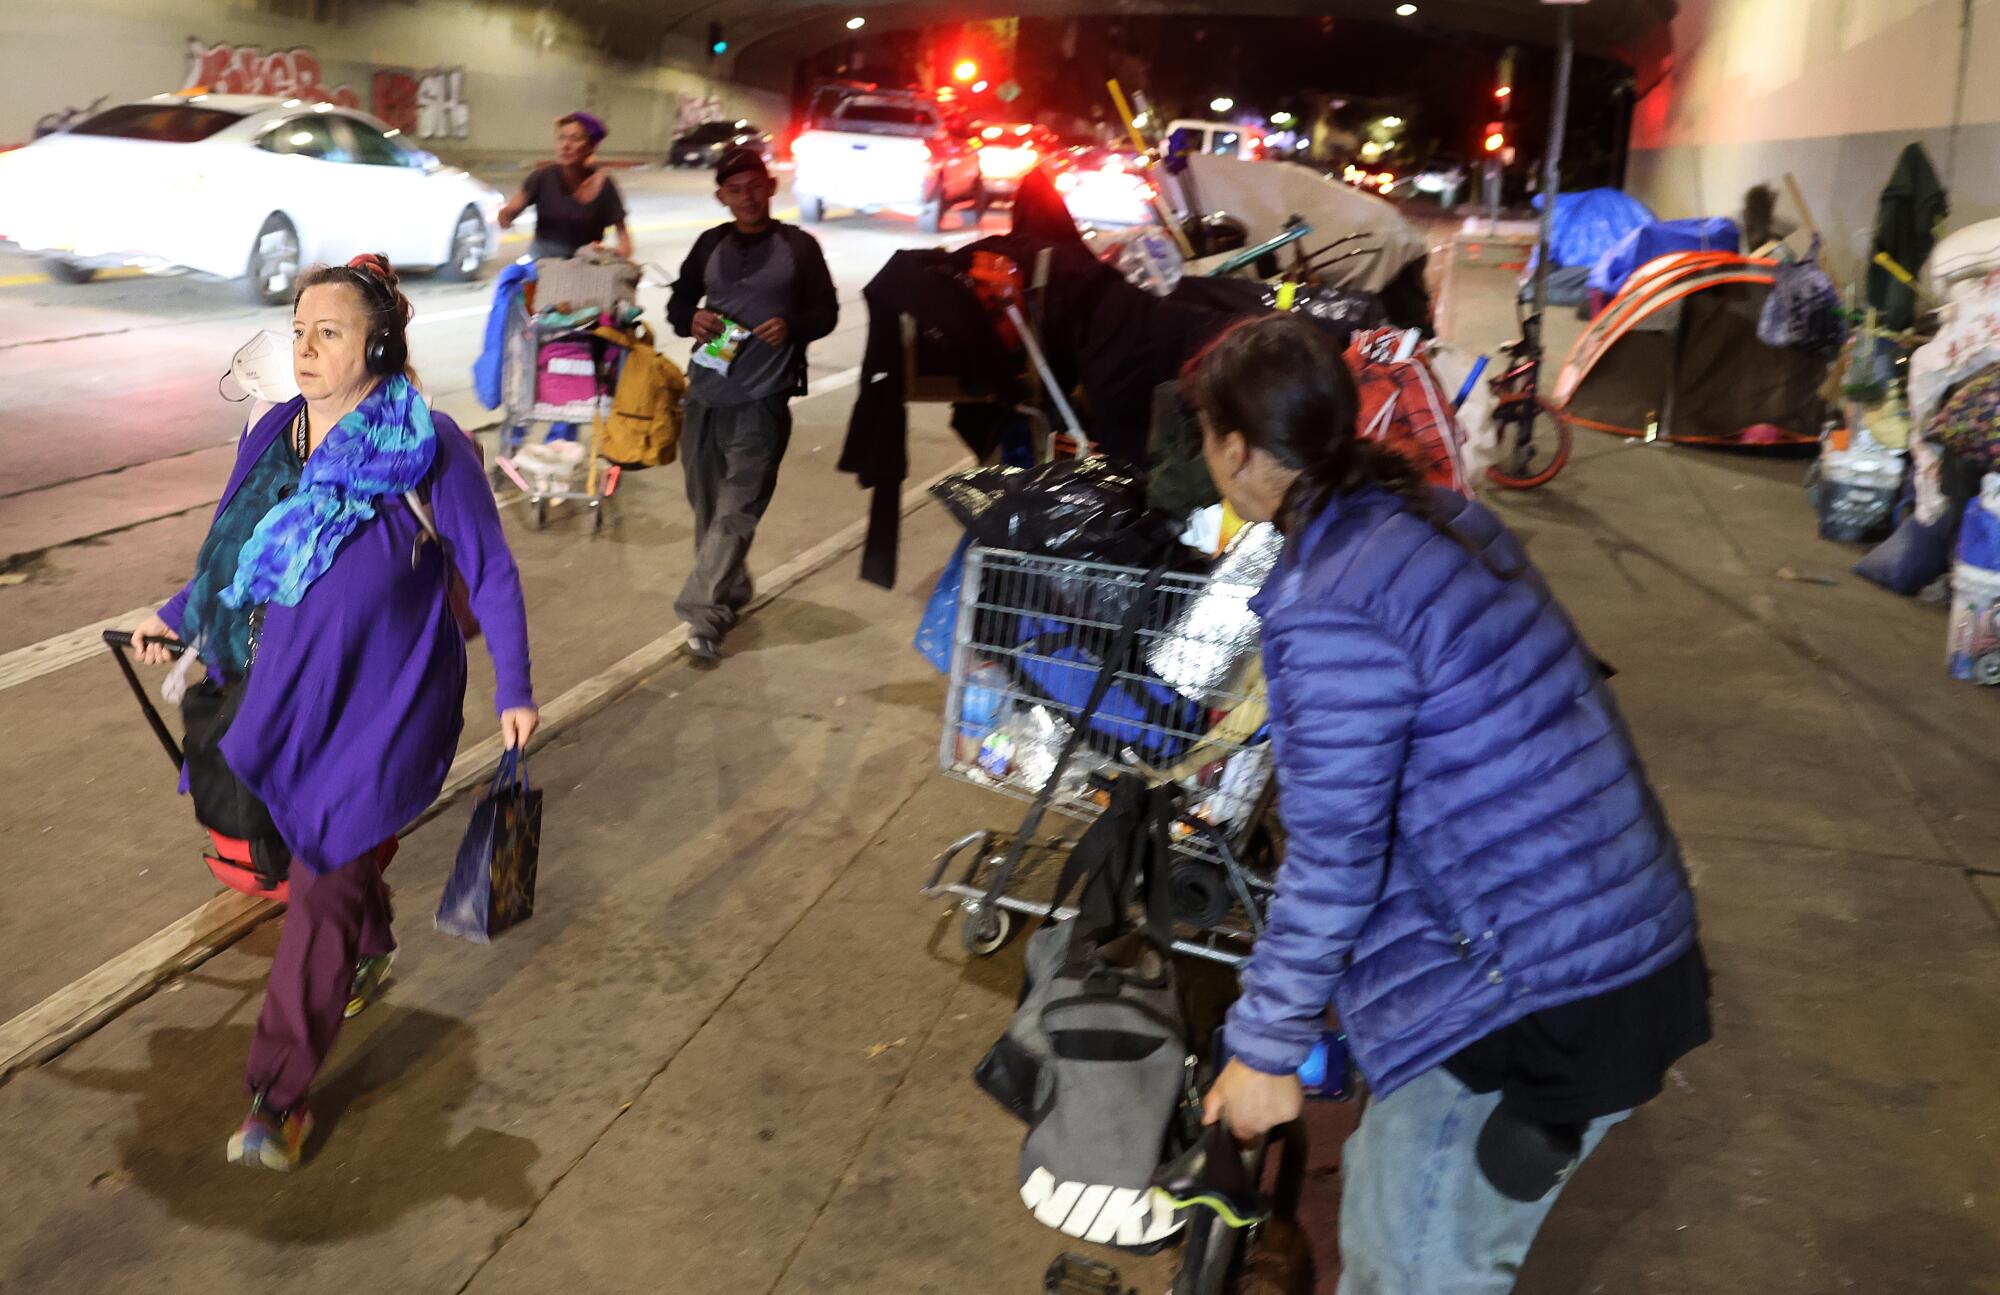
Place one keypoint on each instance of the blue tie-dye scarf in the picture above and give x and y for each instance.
(384, 447)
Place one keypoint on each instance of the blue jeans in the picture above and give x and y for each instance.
(1416, 1215)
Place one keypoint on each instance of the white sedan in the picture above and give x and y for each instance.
(241, 187)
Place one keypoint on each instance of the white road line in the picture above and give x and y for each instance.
(439, 317)
(88, 1002)
(833, 382)
(64, 650)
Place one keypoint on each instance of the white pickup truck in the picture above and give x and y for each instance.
(874, 150)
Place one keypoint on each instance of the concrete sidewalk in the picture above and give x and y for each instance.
(730, 1052)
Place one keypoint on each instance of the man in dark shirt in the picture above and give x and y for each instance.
(769, 278)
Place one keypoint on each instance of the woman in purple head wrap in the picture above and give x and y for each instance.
(574, 199)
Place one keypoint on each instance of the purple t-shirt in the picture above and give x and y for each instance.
(354, 707)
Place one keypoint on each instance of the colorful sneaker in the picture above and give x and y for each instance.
(369, 976)
(270, 1139)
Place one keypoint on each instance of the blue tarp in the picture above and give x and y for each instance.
(1702, 234)
(1590, 222)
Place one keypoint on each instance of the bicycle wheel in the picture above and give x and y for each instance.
(1534, 442)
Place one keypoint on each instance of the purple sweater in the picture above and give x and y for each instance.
(355, 705)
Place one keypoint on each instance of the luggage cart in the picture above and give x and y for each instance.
(521, 412)
(1181, 704)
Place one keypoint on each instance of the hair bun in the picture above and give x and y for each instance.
(377, 264)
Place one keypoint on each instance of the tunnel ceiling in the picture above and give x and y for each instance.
(1602, 26)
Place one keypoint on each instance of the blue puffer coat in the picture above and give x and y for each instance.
(1472, 837)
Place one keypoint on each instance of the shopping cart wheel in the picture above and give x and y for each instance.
(1986, 670)
(986, 931)
(538, 516)
(596, 516)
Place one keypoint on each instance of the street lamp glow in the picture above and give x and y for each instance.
(856, 23)
(1406, 11)
(1391, 123)
(1282, 119)
(1221, 103)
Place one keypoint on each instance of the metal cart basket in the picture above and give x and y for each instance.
(1064, 673)
(521, 412)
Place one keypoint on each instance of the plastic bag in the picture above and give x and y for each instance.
(1093, 509)
(1857, 493)
(934, 632)
(1911, 559)
(1148, 259)
(1802, 311)
(1979, 535)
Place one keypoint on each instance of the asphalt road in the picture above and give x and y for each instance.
(114, 445)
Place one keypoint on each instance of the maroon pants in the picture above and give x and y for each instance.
(332, 920)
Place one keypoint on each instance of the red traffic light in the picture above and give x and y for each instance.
(966, 70)
(1496, 136)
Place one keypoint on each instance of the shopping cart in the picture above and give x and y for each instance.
(585, 368)
(1066, 673)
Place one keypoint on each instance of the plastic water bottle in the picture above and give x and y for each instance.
(979, 708)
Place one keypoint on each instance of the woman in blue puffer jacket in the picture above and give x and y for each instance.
(1480, 881)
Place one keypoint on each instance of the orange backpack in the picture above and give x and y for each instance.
(1405, 407)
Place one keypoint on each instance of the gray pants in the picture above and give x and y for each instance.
(730, 455)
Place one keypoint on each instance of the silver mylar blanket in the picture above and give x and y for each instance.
(1217, 632)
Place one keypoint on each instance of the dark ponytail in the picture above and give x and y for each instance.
(1284, 385)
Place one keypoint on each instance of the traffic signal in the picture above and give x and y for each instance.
(1503, 85)
(1496, 136)
(718, 44)
(967, 70)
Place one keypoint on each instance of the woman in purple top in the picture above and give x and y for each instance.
(321, 571)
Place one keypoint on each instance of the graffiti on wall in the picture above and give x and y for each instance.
(425, 105)
(697, 110)
(294, 73)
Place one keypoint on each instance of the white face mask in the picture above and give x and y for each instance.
(261, 370)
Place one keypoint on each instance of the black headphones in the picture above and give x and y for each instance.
(388, 350)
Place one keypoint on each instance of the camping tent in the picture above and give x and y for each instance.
(1676, 355)
(1266, 195)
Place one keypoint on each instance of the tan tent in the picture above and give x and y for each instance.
(1266, 195)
